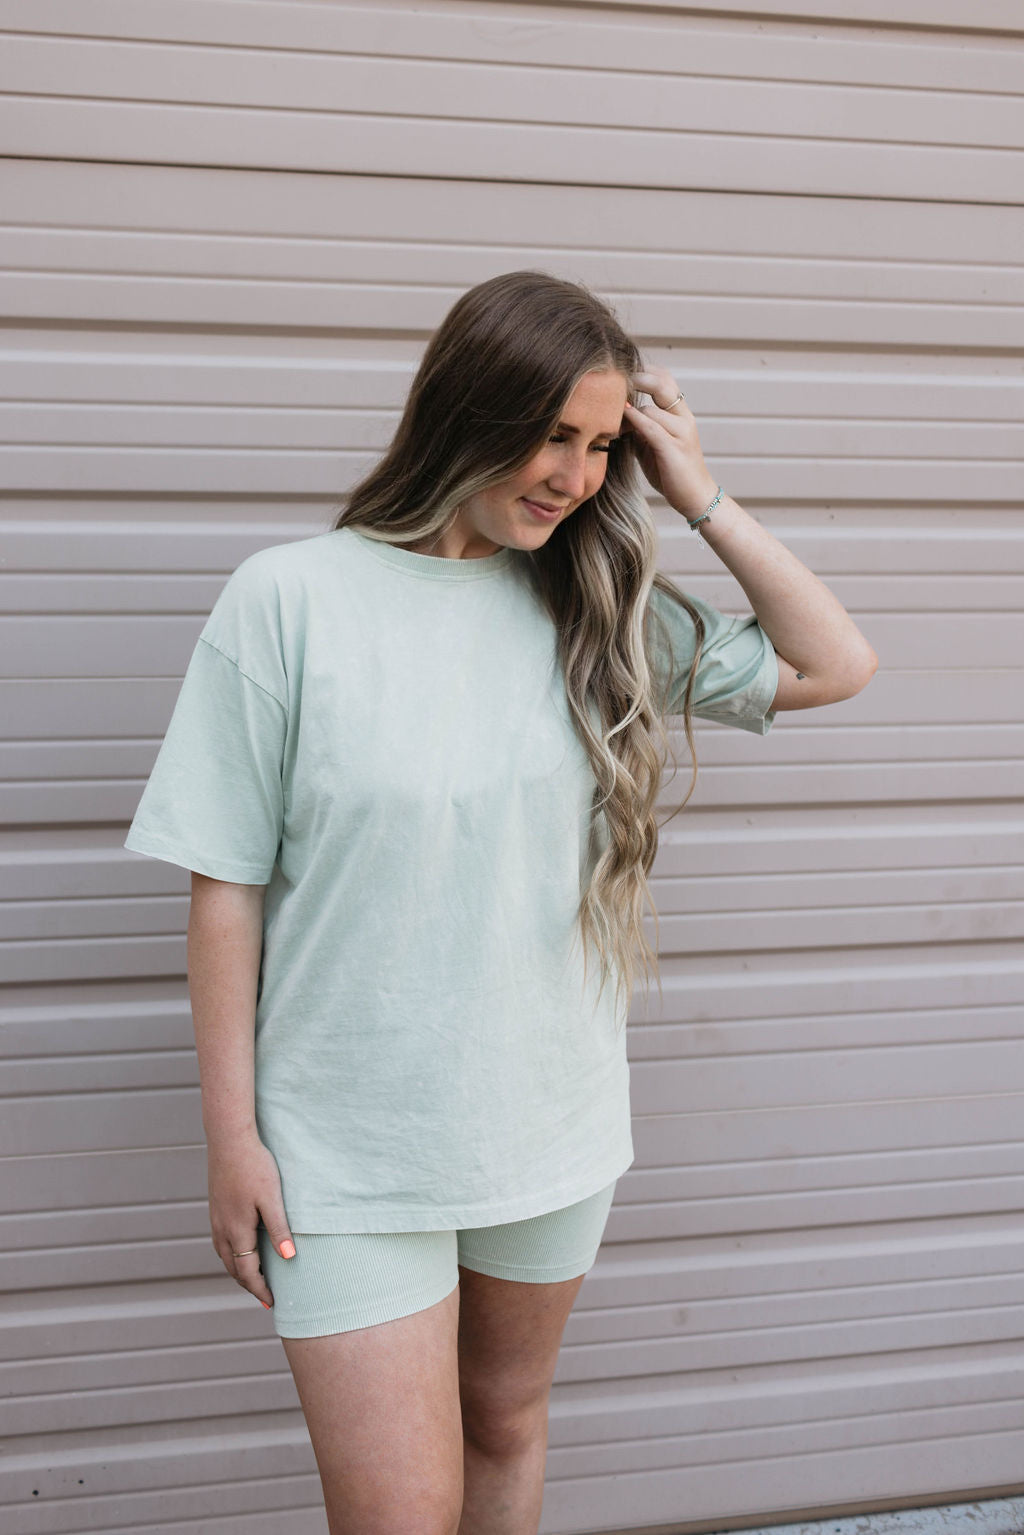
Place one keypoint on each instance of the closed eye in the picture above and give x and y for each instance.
(595, 447)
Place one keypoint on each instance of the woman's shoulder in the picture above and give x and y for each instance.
(272, 567)
(265, 601)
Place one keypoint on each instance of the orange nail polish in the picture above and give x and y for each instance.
(287, 1249)
(263, 1304)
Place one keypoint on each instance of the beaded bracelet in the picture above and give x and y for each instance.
(695, 524)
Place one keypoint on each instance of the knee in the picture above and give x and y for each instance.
(427, 1510)
(503, 1429)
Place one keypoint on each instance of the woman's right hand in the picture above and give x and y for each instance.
(245, 1185)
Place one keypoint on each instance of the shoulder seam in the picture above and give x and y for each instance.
(247, 675)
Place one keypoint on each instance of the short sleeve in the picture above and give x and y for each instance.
(214, 801)
(738, 671)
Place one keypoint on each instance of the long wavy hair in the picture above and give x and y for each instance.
(493, 384)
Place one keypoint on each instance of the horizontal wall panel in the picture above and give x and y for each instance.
(390, 146)
(825, 1130)
(552, 34)
(728, 317)
(78, 1027)
(831, 1076)
(156, 1117)
(950, 15)
(245, 223)
(76, 1073)
(901, 836)
(482, 91)
(288, 80)
(862, 743)
(981, 1461)
(711, 894)
(54, 1188)
(850, 1177)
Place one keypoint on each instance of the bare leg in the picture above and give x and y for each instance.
(382, 1407)
(509, 1337)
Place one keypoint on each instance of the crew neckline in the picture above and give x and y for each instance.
(435, 567)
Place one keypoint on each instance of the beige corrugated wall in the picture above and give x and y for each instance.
(228, 227)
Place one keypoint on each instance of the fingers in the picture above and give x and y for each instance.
(241, 1258)
(649, 422)
(282, 1239)
(662, 388)
(248, 1272)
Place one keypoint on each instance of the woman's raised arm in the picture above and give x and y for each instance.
(823, 656)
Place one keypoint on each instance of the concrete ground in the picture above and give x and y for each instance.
(1001, 1516)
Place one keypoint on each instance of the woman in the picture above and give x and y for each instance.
(413, 769)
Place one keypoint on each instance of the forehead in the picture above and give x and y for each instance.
(597, 403)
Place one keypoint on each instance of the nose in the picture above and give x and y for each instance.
(570, 478)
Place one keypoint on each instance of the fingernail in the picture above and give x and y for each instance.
(287, 1249)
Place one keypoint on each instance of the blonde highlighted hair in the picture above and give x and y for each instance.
(493, 384)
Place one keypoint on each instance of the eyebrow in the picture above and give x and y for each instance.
(564, 426)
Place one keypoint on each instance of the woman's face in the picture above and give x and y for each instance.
(569, 468)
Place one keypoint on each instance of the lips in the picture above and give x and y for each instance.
(543, 508)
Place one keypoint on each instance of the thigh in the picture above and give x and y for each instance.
(369, 1322)
(518, 1284)
(509, 1337)
(383, 1411)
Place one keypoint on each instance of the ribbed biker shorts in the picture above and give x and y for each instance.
(339, 1281)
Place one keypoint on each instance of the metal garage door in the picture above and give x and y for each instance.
(227, 228)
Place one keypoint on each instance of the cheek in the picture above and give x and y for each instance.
(596, 476)
(535, 473)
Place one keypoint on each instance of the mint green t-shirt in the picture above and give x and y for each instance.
(382, 738)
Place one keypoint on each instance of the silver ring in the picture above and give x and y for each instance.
(675, 402)
(245, 1254)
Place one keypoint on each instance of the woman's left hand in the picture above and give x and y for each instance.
(667, 445)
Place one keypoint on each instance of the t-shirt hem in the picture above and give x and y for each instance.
(338, 1218)
(139, 841)
(756, 714)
